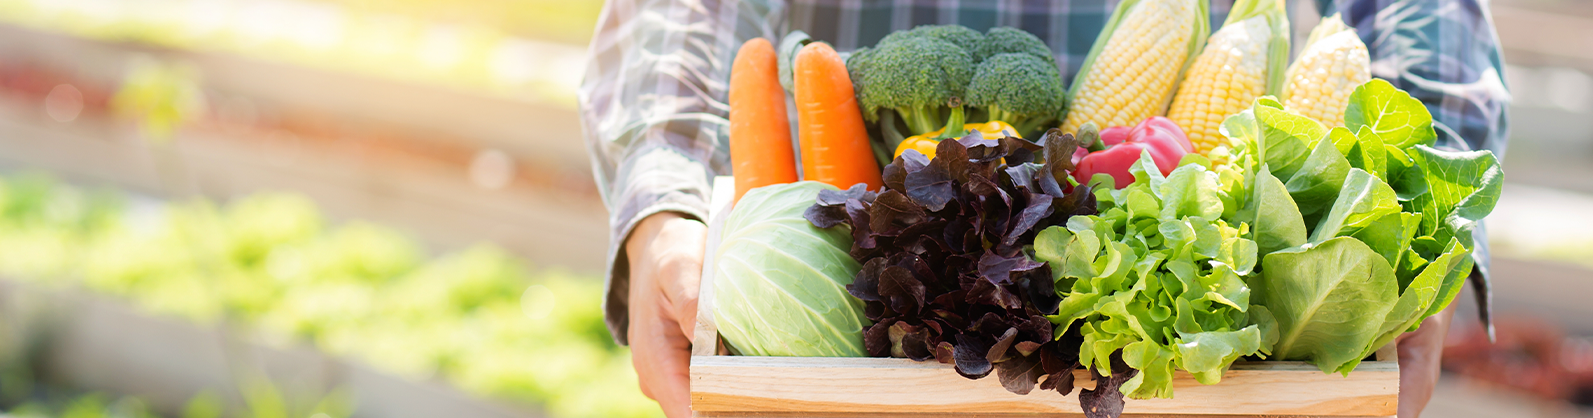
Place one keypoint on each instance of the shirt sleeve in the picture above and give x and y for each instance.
(1446, 54)
(654, 113)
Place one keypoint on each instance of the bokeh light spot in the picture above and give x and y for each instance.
(64, 103)
(491, 169)
(537, 302)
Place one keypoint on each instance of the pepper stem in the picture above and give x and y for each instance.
(1090, 137)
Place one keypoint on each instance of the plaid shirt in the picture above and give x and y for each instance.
(653, 99)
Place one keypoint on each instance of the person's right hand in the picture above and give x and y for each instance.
(666, 254)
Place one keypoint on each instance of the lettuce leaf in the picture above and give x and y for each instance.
(1274, 136)
(1323, 296)
(1462, 188)
(1369, 153)
(1416, 300)
(1317, 183)
(1363, 200)
(1400, 120)
(1276, 223)
(1388, 223)
(1155, 281)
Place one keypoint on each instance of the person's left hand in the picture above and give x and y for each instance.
(1419, 356)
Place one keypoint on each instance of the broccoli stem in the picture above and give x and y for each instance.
(1025, 125)
(920, 119)
(1020, 123)
(996, 113)
(1030, 126)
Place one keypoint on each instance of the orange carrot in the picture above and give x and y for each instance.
(760, 133)
(835, 146)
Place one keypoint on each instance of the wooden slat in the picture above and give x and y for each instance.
(724, 384)
(705, 338)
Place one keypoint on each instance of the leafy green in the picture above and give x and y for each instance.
(1390, 113)
(1317, 183)
(780, 282)
(1322, 296)
(1156, 279)
(1368, 153)
(1389, 222)
(1462, 189)
(1276, 223)
(1274, 136)
(1363, 200)
(1390, 235)
(1418, 297)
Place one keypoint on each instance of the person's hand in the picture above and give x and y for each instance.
(665, 252)
(1419, 356)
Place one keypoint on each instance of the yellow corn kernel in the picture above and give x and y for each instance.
(1135, 72)
(1227, 76)
(1319, 83)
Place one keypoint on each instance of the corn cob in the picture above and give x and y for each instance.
(1328, 26)
(1242, 61)
(1135, 64)
(1319, 83)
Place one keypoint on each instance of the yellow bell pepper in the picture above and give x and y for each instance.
(926, 143)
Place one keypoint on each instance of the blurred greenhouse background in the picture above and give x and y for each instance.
(383, 208)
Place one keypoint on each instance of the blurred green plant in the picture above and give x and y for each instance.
(477, 317)
(262, 399)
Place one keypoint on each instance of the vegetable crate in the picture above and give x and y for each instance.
(724, 385)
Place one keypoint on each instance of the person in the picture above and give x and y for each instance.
(654, 112)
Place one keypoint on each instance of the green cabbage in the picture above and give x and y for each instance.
(780, 283)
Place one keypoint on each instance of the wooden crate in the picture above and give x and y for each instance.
(723, 385)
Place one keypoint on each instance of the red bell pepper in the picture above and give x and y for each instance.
(1165, 141)
(1114, 135)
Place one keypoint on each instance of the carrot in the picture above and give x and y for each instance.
(760, 133)
(835, 146)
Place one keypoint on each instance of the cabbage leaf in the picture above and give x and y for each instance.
(780, 282)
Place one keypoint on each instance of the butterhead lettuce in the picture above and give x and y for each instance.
(1387, 219)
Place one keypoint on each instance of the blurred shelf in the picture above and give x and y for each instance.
(1546, 289)
(1459, 398)
(368, 148)
(96, 343)
(1545, 34)
(547, 132)
(435, 201)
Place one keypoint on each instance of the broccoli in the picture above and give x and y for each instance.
(856, 61)
(915, 76)
(1019, 89)
(959, 35)
(1001, 40)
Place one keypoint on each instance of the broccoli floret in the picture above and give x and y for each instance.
(1001, 40)
(1019, 89)
(856, 63)
(915, 76)
(959, 35)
